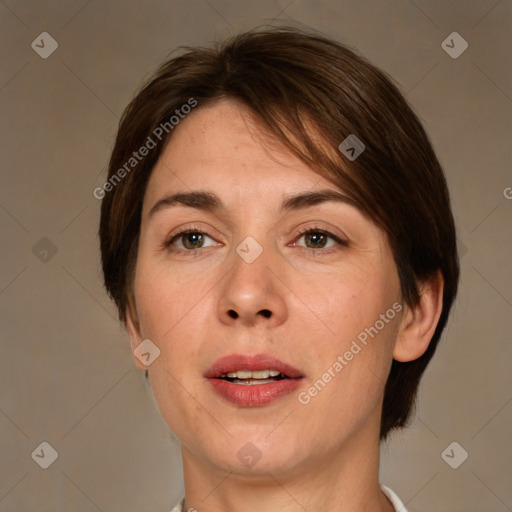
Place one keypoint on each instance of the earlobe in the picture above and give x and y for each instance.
(419, 322)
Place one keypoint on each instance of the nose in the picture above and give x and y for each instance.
(252, 292)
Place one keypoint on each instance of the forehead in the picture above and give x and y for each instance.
(223, 129)
(224, 146)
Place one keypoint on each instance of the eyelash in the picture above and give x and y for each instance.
(313, 229)
(185, 231)
(300, 233)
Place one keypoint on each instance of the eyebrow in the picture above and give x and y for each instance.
(210, 202)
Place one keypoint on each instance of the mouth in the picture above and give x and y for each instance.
(251, 381)
(252, 378)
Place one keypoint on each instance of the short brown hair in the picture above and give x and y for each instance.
(292, 80)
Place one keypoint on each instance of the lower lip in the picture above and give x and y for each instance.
(254, 395)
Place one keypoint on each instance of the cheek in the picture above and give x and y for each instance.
(176, 312)
(356, 345)
(345, 303)
(165, 298)
(172, 314)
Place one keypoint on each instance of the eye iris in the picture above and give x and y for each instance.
(192, 240)
(195, 240)
(315, 240)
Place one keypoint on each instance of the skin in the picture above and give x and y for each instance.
(323, 455)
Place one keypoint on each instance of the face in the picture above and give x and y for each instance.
(260, 264)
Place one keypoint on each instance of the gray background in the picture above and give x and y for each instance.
(66, 373)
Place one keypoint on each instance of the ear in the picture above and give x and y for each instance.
(419, 323)
(133, 328)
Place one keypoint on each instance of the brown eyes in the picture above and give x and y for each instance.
(316, 238)
(191, 240)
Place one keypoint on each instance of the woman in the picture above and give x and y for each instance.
(277, 235)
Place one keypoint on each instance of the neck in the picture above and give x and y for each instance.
(345, 480)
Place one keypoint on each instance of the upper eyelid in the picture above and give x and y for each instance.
(299, 231)
(173, 236)
(341, 240)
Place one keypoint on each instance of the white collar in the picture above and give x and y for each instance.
(395, 500)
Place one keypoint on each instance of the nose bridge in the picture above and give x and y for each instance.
(250, 250)
(250, 261)
(250, 292)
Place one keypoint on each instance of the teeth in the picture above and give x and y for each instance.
(261, 374)
(253, 382)
(245, 374)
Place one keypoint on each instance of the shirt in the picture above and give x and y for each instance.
(395, 501)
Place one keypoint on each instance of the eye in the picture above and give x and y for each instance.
(314, 238)
(190, 240)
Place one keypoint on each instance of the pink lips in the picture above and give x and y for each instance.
(252, 395)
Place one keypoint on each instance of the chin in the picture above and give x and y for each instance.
(250, 453)
(253, 461)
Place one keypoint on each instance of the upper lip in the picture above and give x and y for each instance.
(254, 362)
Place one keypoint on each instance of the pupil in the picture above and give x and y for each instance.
(315, 239)
(193, 240)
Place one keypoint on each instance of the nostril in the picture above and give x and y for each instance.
(266, 313)
(232, 314)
